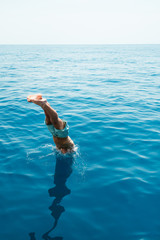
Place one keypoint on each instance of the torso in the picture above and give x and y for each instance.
(64, 144)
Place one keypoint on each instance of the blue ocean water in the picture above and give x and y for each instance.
(110, 188)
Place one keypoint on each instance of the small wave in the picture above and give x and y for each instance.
(40, 152)
(155, 74)
(79, 162)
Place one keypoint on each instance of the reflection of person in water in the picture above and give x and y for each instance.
(63, 170)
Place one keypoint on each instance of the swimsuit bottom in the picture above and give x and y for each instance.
(61, 133)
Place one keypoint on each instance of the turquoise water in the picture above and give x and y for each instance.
(110, 188)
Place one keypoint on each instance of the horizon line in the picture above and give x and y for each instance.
(79, 43)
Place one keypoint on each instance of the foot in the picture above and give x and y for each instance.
(37, 99)
(34, 97)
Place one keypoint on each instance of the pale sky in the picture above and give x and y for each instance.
(79, 21)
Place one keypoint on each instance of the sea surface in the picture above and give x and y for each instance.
(109, 189)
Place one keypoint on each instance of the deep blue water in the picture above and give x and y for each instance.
(110, 188)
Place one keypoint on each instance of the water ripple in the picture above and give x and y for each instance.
(110, 97)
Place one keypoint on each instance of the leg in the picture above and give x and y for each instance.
(50, 113)
(52, 116)
(47, 118)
